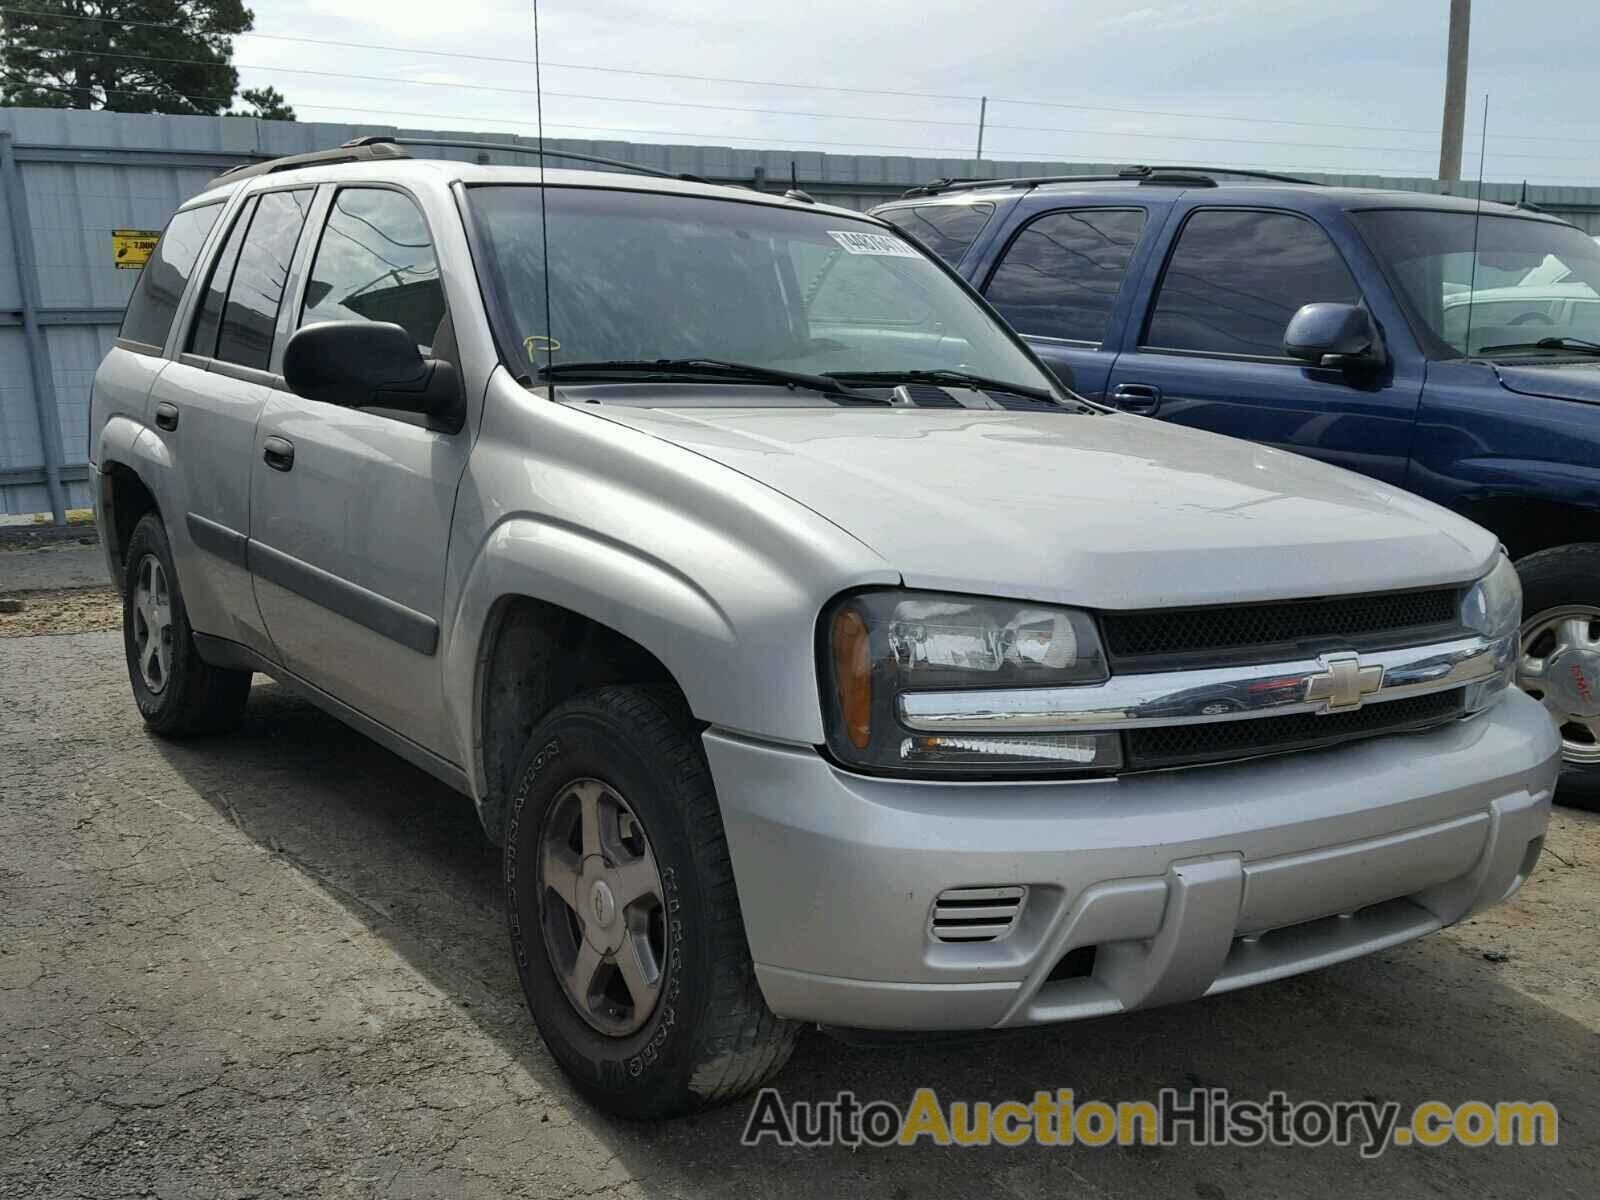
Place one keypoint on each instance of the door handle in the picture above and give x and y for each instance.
(1141, 398)
(278, 453)
(166, 415)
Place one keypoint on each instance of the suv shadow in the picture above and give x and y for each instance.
(405, 855)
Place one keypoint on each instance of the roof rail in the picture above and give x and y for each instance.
(1169, 175)
(463, 144)
(384, 146)
(1214, 171)
(357, 151)
(935, 187)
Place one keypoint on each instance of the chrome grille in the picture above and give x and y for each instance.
(1176, 745)
(1261, 632)
(975, 914)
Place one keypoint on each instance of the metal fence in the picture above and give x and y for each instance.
(69, 178)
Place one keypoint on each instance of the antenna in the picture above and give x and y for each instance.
(1477, 219)
(550, 342)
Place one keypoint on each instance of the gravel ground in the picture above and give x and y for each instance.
(275, 965)
(62, 610)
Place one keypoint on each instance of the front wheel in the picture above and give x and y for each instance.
(1560, 664)
(624, 920)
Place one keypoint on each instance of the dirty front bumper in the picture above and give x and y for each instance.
(1185, 883)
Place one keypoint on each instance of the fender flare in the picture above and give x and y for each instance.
(619, 586)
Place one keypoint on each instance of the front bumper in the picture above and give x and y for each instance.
(1185, 882)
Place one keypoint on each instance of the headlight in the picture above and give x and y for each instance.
(875, 646)
(1493, 607)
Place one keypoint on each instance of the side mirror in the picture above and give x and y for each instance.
(373, 364)
(1337, 336)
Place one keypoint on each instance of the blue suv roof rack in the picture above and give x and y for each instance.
(1169, 176)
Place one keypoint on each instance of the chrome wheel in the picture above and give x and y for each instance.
(600, 902)
(152, 623)
(1560, 667)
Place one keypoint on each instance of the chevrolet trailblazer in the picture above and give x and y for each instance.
(812, 653)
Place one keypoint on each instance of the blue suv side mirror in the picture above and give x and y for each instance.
(1337, 336)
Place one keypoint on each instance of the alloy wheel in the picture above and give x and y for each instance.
(152, 623)
(1560, 667)
(602, 908)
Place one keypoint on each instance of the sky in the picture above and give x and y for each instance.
(1349, 87)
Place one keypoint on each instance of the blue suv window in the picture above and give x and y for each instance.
(1061, 274)
(1237, 277)
(946, 229)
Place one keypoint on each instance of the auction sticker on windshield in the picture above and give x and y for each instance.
(872, 243)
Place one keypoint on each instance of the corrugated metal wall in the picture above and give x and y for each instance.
(81, 174)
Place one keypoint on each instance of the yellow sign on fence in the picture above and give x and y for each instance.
(131, 247)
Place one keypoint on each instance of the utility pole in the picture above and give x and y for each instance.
(983, 116)
(1455, 91)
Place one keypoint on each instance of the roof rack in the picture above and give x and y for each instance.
(935, 187)
(384, 146)
(357, 151)
(1155, 176)
(461, 144)
(1270, 176)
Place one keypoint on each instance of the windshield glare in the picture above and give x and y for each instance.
(1530, 279)
(639, 275)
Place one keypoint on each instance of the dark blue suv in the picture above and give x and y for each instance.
(1412, 337)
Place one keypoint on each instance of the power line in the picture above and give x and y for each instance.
(817, 141)
(939, 150)
(481, 87)
(1040, 156)
(283, 37)
(1142, 112)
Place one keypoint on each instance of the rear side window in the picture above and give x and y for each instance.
(376, 262)
(251, 313)
(1060, 276)
(203, 336)
(1236, 278)
(946, 229)
(161, 283)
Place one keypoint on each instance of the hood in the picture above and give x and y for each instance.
(1106, 511)
(1558, 381)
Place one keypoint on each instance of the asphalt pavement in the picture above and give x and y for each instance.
(275, 964)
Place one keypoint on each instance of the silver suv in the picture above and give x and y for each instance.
(813, 655)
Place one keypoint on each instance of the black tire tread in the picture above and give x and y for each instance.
(738, 1043)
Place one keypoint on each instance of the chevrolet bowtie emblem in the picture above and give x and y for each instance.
(1343, 682)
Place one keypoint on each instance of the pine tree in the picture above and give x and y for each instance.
(267, 103)
(168, 56)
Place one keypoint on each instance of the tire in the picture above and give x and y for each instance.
(183, 695)
(708, 1036)
(1566, 577)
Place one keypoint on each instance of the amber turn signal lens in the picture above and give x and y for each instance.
(852, 675)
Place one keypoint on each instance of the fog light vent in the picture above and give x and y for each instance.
(975, 914)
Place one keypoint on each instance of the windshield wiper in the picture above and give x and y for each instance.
(1582, 345)
(699, 368)
(943, 376)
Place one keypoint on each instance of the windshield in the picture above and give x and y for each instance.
(1530, 280)
(639, 276)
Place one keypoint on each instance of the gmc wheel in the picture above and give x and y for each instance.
(1560, 664)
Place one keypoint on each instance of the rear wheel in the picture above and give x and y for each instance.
(624, 920)
(1560, 665)
(178, 693)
